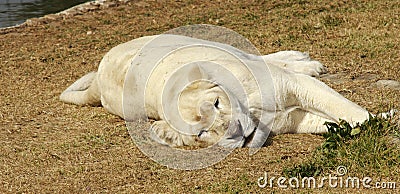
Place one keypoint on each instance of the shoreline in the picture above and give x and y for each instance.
(70, 12)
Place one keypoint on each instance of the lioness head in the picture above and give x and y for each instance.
(198, 111)
(219, 117)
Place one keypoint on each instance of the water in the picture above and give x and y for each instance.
(13, 12)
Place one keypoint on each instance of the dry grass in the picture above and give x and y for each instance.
(48, 146)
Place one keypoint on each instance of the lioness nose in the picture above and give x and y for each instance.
(201, 132)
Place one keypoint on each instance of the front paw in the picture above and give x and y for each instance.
(162, 133)
(311, 68)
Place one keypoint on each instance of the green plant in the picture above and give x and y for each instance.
(364, 147)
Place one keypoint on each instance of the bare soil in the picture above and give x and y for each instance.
(48, 146)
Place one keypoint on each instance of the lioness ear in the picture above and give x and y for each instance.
(197, 73)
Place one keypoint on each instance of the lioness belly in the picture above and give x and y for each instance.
(112, 71)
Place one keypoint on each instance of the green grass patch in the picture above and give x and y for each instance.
(366, 149)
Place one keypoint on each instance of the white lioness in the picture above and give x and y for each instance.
(291, 101)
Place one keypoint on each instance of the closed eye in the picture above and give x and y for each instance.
(216, 103)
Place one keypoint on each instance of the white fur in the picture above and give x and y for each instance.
(302, 103)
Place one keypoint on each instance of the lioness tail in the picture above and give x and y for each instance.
(84, 91)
